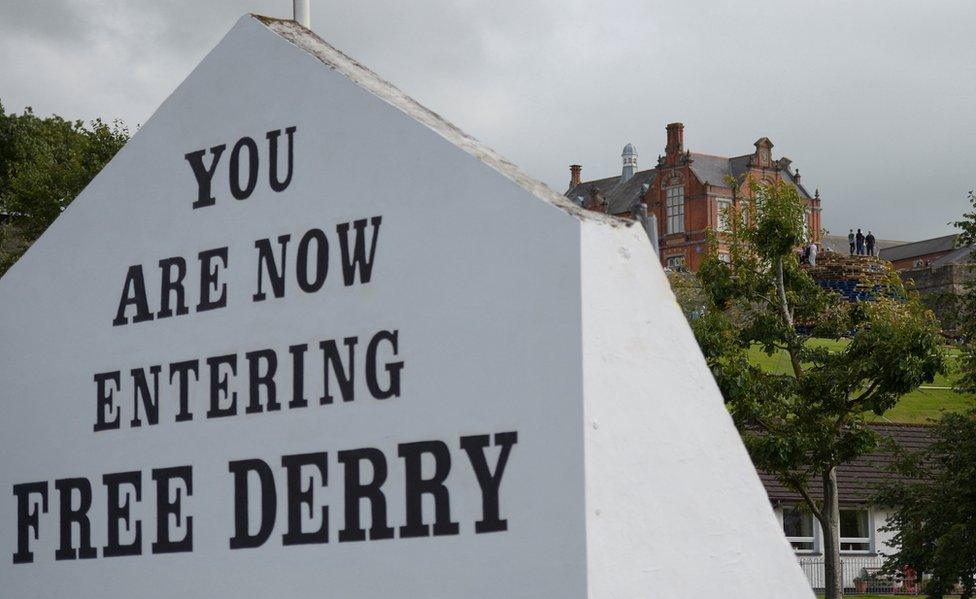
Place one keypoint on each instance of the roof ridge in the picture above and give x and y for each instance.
(362, 76)
(710, 155)
(646, 170)
(599, 180)
(924, 241)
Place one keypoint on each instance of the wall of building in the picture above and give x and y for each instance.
(910, 262)
(689, 244)
(951, 278)
(702, 213)
(854, 564)
(702, 189)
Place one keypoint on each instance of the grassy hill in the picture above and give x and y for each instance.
(920, 406)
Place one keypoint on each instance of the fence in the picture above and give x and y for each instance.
(861, 575)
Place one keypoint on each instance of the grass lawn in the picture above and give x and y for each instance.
(918, 406)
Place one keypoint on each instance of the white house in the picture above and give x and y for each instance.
(863, 543)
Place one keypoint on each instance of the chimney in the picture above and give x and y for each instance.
(796, 176)
(575, 171)
(676, 142)
(596, 201)
(303, 13)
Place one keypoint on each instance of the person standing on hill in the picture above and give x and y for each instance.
(869, 240)
(813, 253)
(850, 240)
(859, 238)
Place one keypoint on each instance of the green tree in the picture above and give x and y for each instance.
(967, 305)
(935, 523)
(801, 426)
(947, 306)
(44, 165)
(687, 291)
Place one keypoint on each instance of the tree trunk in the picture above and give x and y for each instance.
(787, 314)
(833, 572)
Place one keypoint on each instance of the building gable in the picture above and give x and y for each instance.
(350, 278)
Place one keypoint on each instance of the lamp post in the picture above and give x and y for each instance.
(303, 13)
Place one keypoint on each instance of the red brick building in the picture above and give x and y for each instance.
(688, 192)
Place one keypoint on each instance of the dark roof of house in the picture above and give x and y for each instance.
(958, 256)
(920, 248)
(857, 481)
(602, 185)
(620, 197)
(740, 165)
(709, 169)
(624, 196)
(789, 178)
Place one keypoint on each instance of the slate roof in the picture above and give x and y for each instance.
(709, 169)
(920, 248)
(739, 165)
(620, 197)
(790, 179)
(857, 480)
(958, 256)
(624, 196)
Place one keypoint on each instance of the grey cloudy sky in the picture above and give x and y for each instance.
(875, 101)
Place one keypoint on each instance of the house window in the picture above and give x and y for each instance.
(798, 527)
(724, 214)
(724, 257)
(855, 531)
(675, 202)
(676, 262)
(744, 209)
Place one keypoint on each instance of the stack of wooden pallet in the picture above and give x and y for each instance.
(857, 278)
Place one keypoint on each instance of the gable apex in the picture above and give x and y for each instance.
(356, 72)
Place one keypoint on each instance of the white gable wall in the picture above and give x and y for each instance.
(656, 428)
(459, 248)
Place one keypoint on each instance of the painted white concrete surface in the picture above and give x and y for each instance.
(673, 504)
(516, 312)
